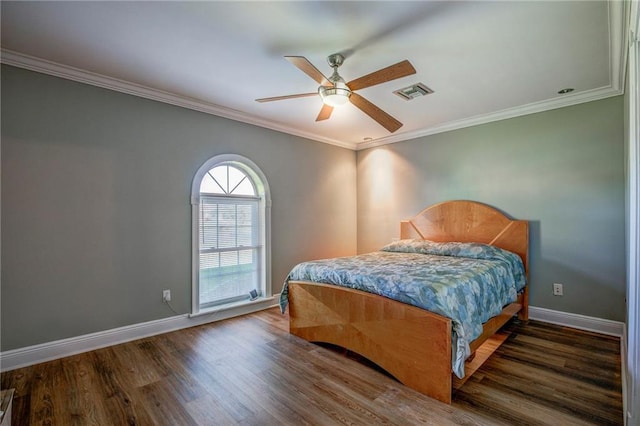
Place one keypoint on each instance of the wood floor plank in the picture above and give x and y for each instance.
(165, 406)
(117, 397)
(266, 395)
(415, 409)
(251, 371)
(567, 349)
(207, 411)
(512, 407)
(45, 405)
(80, 393)
(305, 393)
(205, 373)
(559, 400)
(140, 370)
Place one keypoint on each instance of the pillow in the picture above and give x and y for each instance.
(412, 246)
(468, 250)
(472, 250)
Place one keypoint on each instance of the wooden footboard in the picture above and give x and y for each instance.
(410, 343)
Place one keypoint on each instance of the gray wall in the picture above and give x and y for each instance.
(563, 170)
(96, 219)
(96, 214)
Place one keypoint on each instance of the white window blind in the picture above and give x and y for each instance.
(229, 248)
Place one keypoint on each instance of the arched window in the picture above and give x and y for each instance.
(230, 207)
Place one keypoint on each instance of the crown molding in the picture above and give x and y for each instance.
(618, 13)
(44, 66)
(582, 97)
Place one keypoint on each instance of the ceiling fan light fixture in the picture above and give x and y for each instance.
(334, 95)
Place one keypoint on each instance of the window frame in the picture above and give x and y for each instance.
(261, 186)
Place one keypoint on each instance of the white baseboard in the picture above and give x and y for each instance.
(581, 322)
(24, 357)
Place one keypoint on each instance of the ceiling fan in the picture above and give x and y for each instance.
(334, 91)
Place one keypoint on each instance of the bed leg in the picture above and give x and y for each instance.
(523, 315)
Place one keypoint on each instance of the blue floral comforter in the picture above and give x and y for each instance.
(466, 282)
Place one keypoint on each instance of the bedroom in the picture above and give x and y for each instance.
(76, 157)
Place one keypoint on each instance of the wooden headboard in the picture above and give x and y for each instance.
(469, 221)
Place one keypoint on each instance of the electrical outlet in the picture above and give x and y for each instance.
(557, 289)
(166, 295)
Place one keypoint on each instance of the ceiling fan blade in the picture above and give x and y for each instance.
(279, 98)
(384, 119)
(325, 112)
(307, 67)
(401, 69)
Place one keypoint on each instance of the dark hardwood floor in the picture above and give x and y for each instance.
(251, 371)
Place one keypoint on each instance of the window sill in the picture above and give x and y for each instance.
(242, 307)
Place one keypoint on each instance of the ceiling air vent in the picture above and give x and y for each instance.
(414, 91)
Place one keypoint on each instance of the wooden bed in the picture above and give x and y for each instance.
(410, 343)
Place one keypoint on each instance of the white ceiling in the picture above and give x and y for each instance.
(484, 60)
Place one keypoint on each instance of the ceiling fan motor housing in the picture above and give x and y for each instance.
(335, 60)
